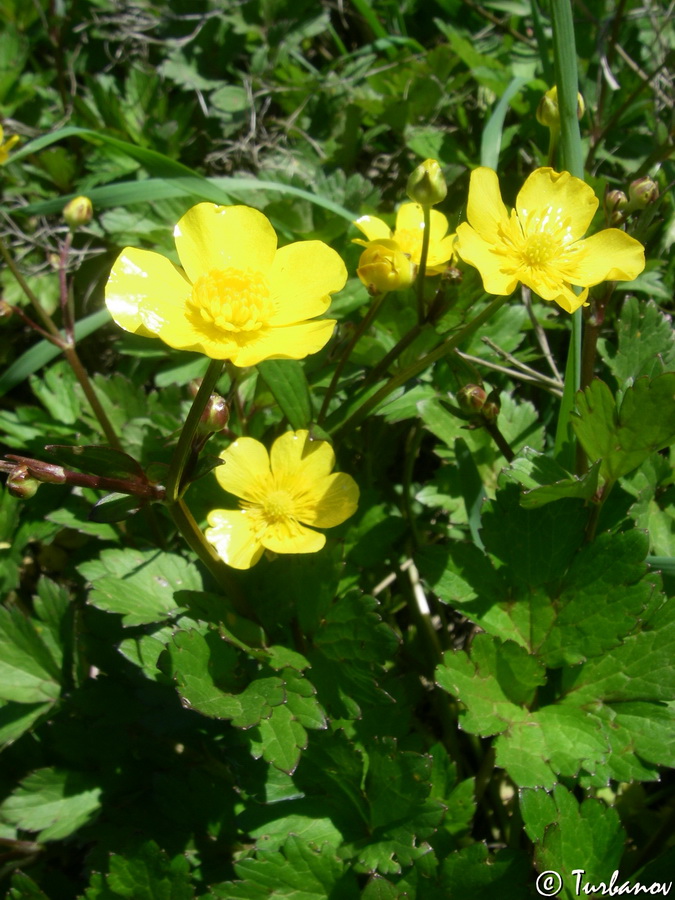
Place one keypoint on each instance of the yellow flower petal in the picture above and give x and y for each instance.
(609, 255)
(373, 228)
(302, 278)
(410, 217)
(221, 237)
(485, 209)
(286, 342)
(246, 472)
(569, 301)
(233, 536)
(330, 501)
(294, 455)
(480, 253)
(556, 202)
(144, 289)
(293, 538)
(441, 252)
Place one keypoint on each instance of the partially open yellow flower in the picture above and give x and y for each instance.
(408, 235)
(540, 243)
(6, 145)
(281, 493)
(236, 296)
(384, 267)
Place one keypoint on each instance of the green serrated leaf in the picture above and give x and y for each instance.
(147, 873)
(53, 802)
(572, 836)
(28, 671)
(17, 718)
(24, 888)
(280, 739)
(494, 683)
(646, 342)
(474, 872)
(623, 437)
(139, 584)
(286, 379)
(299, 871)
(545, 480)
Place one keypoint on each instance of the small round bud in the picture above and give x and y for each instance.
(548, 111)
(385, 267)
(78, 212)
(642, 192)
(21, 483)
(426, 185)
(490, 410)
(616, 207)
(6, 311)
(471, 398)
(215, 415)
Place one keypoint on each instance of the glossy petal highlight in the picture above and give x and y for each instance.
(233, 535)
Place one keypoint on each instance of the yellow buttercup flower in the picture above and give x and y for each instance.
(6, 145)
(408, 235)
(236, 296)
(540, 243)
(384, 267)
(281, 493)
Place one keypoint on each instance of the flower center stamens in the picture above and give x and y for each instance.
(277, 507)
(232, 300)
(540, 249)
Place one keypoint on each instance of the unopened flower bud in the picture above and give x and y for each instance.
(385, 267)
(471, 398)
(490, 410)
(78, 212)
(548, 111)
(642, 192)
(6, 310)
(21, 483)
(215, 415)
(616, 207)
(426, 185)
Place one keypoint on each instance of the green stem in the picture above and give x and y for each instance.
(393, 354)
(422, 270)
(194, 537)
(89, 392)
(419, 366)
(67, 346)
(565, 57)
(46, 319)
(174, 485)
(359, 331)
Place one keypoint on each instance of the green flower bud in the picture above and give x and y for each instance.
(21, 483)
(426, 185)
(78, 212)
(385, 267)
(616, 207)
(642, 192)
(548, 111)
(471, 398)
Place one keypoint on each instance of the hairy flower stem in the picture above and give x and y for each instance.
(174, 481)
(422, 270)
(359, 331)
(418, 366)
(67, 346)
